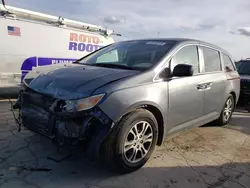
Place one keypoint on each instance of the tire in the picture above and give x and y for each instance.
(113, 150)
(223, 119)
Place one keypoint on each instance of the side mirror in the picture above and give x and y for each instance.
(183, 70)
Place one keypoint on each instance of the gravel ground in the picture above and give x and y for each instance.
(209, 157)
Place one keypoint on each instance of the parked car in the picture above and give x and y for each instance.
(243, 67)
(126, 98)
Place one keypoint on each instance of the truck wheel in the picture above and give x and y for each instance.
(227, 111)
(132, 143)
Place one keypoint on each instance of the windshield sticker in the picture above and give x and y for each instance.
(156, 43)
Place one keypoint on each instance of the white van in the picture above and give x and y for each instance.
(31, 39)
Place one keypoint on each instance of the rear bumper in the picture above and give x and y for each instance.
(62, 127)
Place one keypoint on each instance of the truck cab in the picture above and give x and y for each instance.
(243, 67)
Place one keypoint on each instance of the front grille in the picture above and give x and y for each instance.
(35, 118)
(245, 87)
(244, 92)
(31, 98)
(35, 110)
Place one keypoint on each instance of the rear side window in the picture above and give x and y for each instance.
(228, 64)
(186, 55)
(211, 60)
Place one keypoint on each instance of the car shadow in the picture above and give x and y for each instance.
(240, 121)
(25, 161)
(187, 173)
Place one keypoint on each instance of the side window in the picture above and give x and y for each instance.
(211, 60)
(187, 55)
(108, 57)
(228, 64)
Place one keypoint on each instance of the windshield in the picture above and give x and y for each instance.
(138, 55)
(244, 67)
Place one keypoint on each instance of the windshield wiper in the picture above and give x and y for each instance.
(111, 65)
(77, 62)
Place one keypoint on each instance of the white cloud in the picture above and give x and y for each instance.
(244, 31)
(210, 20)
(113, 20)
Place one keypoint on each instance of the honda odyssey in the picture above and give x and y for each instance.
(124, 99)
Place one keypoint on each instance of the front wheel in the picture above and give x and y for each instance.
(133, 142)
(227, 111)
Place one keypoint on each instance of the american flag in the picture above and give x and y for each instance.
(14, 31)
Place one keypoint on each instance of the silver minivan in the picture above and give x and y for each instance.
(126, 98)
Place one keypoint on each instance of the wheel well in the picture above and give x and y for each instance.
(234, 96)
(158, 115)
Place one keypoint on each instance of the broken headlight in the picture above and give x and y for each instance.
(82, 104)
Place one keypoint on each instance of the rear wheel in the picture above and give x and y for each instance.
(132, 143)
(227, 111)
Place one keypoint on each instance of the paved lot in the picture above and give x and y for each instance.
(211, 157)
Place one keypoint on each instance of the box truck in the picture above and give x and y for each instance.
(32, 39)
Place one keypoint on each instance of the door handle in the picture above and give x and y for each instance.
(209, 84)
(201, 87)
(204, 86)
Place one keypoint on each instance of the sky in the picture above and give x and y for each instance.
(225, 23)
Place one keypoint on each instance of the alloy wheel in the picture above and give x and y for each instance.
(228, 109)
(138, 142)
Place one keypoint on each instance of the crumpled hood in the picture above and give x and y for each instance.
(74, 82)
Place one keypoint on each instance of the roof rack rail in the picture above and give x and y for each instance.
(13, 12)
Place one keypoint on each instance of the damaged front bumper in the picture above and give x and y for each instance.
(37, 114)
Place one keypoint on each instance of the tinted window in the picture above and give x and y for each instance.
(244, 68)
(211, 60)
(141, 54)
(237, 64)
(228, 64)
(187, 55)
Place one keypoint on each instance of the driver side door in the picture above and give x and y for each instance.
(185, 97)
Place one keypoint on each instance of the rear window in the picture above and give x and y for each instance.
(211, 60)
(228, 64)
(244, 67)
